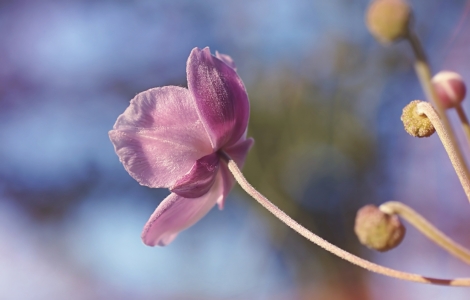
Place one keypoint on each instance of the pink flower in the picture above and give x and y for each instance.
(173, 137)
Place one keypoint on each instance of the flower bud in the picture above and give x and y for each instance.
(450, 88)
(388, 20)
(415, 124)
(378, 230)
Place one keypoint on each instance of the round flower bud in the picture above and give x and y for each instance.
(378, 230)
(415, 124)
(388, 20)
(450, 88)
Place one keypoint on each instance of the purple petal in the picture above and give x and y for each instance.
(159, 136)
(226, 59)
(220, 97)
(176, 213)
(238, 153)
(228, 181)
(199, 179)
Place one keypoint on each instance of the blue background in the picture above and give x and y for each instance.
(326, 105)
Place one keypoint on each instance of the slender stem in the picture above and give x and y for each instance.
(426, 228)
(464, 120)
(328, 246)
(423, 71)
(428, 110)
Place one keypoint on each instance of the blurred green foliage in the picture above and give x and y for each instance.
(313, 157)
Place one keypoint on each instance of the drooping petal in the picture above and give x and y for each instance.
(220, 97)
(228, 182)
(176, 213)
(226, 59)
(159, 136)
(238, 153)
(199, 179)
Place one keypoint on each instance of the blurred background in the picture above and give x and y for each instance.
(326, 103)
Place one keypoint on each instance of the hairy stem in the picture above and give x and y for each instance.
(426, 228)
(428, 110)
(423, 71)
(328, 246)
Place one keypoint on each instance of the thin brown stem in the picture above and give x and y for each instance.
(464, 121)
(428, 110)
(426, 228)
(328, 246)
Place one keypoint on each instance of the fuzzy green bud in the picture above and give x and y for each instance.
(378, 230)
(415, 124)
(388, 20)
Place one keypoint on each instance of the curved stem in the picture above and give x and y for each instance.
(328, 246)
(426, 228)
(428, 110)
(423, 71)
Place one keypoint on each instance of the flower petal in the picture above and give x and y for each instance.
(238, 153)
(159, 136)
(220, 97)
(176, 213)
(228, 181)
(226, 59)
(199, 179)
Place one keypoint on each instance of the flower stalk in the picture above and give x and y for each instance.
(426, 228)
(365, 264)
(464, 121)
(446, 139)
(423, 71)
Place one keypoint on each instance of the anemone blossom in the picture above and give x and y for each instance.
(175, 138)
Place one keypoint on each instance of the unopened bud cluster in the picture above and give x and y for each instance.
(388, 20)
(378, 230)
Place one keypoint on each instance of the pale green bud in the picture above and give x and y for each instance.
(388, 20)
(378, 230)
